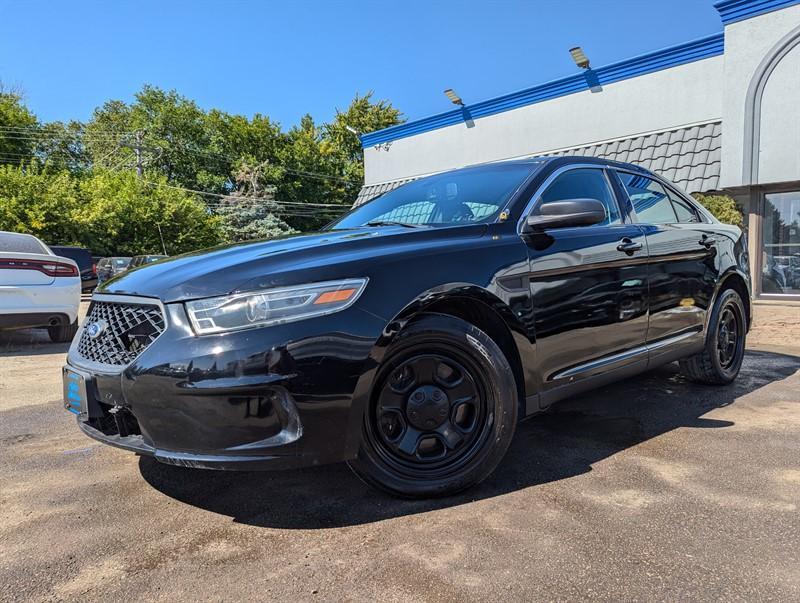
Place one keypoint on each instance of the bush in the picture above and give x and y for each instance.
(39, 202)
(111, 213)
(722, 207)
(122, 215)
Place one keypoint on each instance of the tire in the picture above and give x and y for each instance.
(720, 361)
(442, 411)
(62, 333)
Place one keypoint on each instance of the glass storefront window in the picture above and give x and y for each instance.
(780, 268)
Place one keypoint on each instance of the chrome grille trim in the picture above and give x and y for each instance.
(133, 323)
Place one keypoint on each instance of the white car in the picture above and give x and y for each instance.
(37, 287)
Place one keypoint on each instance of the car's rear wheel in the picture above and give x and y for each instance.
(62, 333)
(720, 361)
(442, 413)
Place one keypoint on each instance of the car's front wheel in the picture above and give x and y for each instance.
(442, 413)
(720, 361)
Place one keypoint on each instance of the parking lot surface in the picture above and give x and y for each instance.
(651, 489)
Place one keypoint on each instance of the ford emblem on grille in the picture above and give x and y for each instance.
(95, 329)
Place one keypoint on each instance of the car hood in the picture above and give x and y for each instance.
(289, 260)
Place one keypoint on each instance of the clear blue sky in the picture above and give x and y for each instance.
(284, 59)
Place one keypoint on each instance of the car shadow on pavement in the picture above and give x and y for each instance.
(29, 342)
(559, 444)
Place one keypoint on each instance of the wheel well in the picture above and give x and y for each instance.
(489, 321)
(737, 283)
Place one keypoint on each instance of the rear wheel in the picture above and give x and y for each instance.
(720, 361)
(62, 333)
(442, 412)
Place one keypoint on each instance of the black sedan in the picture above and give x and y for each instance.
(410, 336)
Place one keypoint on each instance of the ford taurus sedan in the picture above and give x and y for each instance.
(410, 336)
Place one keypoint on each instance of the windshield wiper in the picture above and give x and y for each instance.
(393, 223)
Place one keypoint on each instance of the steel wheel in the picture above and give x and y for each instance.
(441, 411)
(728, 337)
(429, 414)
(723, 353)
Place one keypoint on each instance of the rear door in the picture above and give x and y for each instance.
(588, 284)
(682, 250)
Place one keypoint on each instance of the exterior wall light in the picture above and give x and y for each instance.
(454, 98)
(581, 60)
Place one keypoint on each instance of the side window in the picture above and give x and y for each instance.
(685, 212)
(650, 200)
(583, 183)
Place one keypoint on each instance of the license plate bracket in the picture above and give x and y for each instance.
(76, 400)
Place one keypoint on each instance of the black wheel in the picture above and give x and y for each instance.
(442, 413)
(720, 361)
(62, 333)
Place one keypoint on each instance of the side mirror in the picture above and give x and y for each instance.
(567, 213)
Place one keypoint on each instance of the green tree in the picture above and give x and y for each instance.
(172, 133)
(41, 202)
(18, 128)
(125, 215)
(363, 115)
(247, 213)
(722, 207)
(62, 146)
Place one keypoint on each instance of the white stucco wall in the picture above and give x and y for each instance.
(669, 98)
(746, 44)
(712, 89)
(779, 140)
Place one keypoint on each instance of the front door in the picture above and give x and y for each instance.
(588, 285)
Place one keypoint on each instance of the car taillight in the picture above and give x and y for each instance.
(47, 267)
(94, 268)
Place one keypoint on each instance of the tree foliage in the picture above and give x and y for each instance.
(15, 122)
(112, 213)
(247, 213)
(722, 207)
(124, 215)
(75, 182)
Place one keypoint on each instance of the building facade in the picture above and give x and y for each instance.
(715, 115)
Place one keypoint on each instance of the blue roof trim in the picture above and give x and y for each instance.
(732, 11)
(629, 68)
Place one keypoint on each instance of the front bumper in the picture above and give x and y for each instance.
(272, 398)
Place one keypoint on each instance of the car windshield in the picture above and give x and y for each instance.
(463, 196)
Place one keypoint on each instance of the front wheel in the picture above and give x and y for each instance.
(720, 361)
(442, 412)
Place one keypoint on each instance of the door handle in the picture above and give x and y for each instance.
(628, 246)
(707, 241)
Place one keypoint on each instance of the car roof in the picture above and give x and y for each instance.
(559, 161)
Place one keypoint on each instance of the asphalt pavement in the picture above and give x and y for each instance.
(651, 489)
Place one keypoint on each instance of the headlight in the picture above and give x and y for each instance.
(272, 306)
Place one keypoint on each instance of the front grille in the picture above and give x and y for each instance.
(125, 331)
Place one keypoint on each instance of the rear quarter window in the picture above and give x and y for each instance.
(649, 198)
(686, 213)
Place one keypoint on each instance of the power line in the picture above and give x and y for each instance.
(289, 170)
(40, 133)
(190, 190)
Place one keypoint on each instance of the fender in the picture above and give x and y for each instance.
(520, 331)
(731, 271)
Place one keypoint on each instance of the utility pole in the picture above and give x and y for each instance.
(138, 150)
